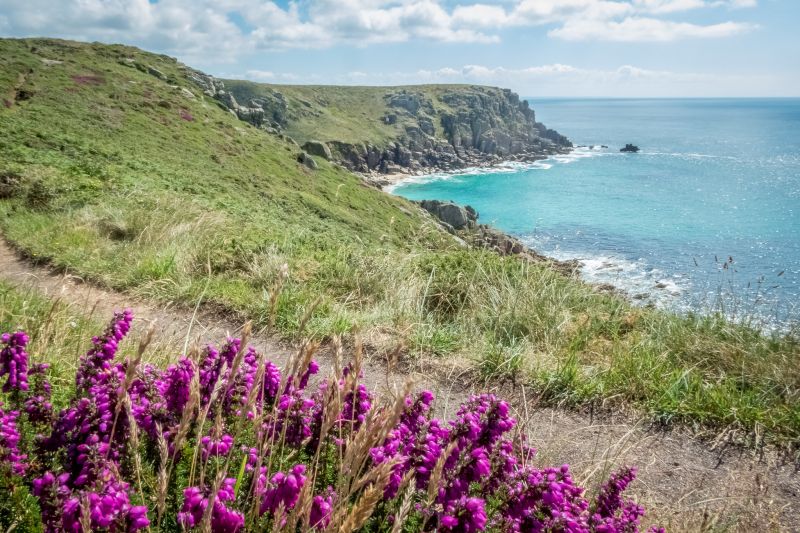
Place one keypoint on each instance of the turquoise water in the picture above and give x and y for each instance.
(716, 180)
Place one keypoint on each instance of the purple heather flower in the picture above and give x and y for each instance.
(108, 503)
(39, 409)
(9, 443)
(216, 448)
(312, 369)
(283, 489)
(103, 350)
(466, 515)
(611, 512)
(484, 460)
(321, 509)
(223, 519)
(14, 361)
(174, 386)
(210, 370)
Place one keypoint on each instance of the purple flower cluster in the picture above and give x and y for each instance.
(356, 404)
(216, 447)
(108, 508)
(9, 443)
(283, 490)
(89, 436)
(612, 512)
(322, 509)
(14, 361)
(404, 443)
(484, 461)
(37, 405)
(99, 358)
(223, 519)
(83, 461)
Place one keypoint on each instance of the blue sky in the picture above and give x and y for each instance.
(536, 47)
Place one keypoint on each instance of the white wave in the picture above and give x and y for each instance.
(692, 155)
(505, 167)
(422, 178)
(636, 278)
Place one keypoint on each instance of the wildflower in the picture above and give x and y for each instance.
(223, 519)
(103, 350)
(216, 447)
(14, 361)
(9, 441)
(466, 515)
(321, 509)
(283, 490)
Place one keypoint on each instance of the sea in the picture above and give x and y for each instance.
(705, 218)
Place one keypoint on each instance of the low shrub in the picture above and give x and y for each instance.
(223, 440)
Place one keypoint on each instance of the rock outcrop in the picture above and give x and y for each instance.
(448, 128)
(267, 111)
(462, 221)
(453, 216)
(307, 160)
(465, 126)
(317, 148)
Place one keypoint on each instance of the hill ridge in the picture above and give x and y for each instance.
(414, 128)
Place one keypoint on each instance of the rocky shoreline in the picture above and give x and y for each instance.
(387, 180)
(462, 223)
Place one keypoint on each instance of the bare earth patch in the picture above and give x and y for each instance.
(88, 79)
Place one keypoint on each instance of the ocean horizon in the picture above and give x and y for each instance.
(705, 218)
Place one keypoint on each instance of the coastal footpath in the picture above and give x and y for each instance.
(116, 168)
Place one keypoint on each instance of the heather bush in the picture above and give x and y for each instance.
(224, 440)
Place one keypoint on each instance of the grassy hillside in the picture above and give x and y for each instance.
(114, 166)
(348, 114)
(124, 176)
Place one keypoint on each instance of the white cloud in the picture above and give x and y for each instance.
(558, 79)
(205, 29)
(668, 6)
(176, 26)
(673, 6)
(259, 75)
(548, 75)
(640, 29)
(481, 16)
(547, 11)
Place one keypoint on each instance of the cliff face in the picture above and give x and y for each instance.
(390, 129)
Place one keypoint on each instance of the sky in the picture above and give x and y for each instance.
(538, 48)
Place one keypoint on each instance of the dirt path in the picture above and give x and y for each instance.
(684, 484)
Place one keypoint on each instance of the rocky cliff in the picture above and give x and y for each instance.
(394, 129)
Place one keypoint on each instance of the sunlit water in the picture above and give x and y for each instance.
(717, 179)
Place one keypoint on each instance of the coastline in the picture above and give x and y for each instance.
(388, 181)
(485, 235)
(642, 289)
(490, 237)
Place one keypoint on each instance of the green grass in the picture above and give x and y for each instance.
(101, 175)
(347, 114)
